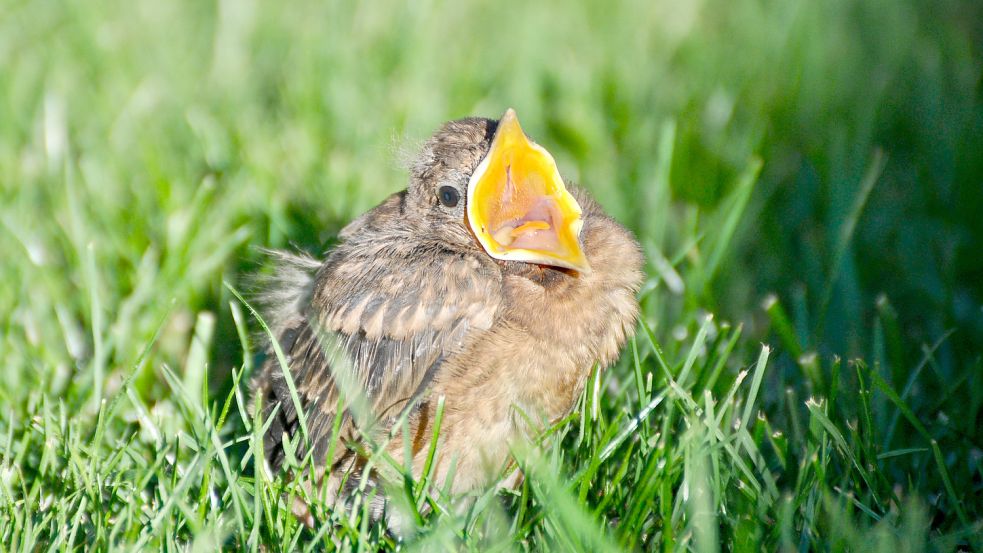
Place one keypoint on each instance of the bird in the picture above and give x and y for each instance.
(483, 294)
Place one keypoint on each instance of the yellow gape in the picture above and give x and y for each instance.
(519, 208)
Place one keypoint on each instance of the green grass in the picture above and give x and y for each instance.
(807, 172)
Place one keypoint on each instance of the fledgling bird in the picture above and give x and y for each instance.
(487, 282)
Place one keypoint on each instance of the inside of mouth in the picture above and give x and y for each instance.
(534, 230)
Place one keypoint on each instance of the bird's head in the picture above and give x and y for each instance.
(484, 184)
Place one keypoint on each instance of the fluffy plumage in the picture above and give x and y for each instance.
(409, 308)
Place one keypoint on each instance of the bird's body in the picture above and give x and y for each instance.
(410, 308)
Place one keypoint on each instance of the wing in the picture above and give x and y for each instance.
(377, 321)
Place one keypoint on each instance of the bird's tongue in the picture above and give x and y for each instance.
(534, 230)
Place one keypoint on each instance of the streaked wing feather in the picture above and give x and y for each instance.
(385, 313)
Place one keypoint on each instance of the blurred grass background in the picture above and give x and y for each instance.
(812, 171)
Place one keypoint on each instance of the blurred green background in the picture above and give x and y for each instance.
(829, 153)
(245, 123)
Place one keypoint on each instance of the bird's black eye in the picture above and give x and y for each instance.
(448, 196)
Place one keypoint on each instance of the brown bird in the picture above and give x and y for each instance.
(488, 283)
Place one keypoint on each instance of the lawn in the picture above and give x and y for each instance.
(806, 179)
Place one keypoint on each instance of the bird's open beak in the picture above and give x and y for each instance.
(518, 207)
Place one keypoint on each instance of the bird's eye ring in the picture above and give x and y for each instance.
(448, 196)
